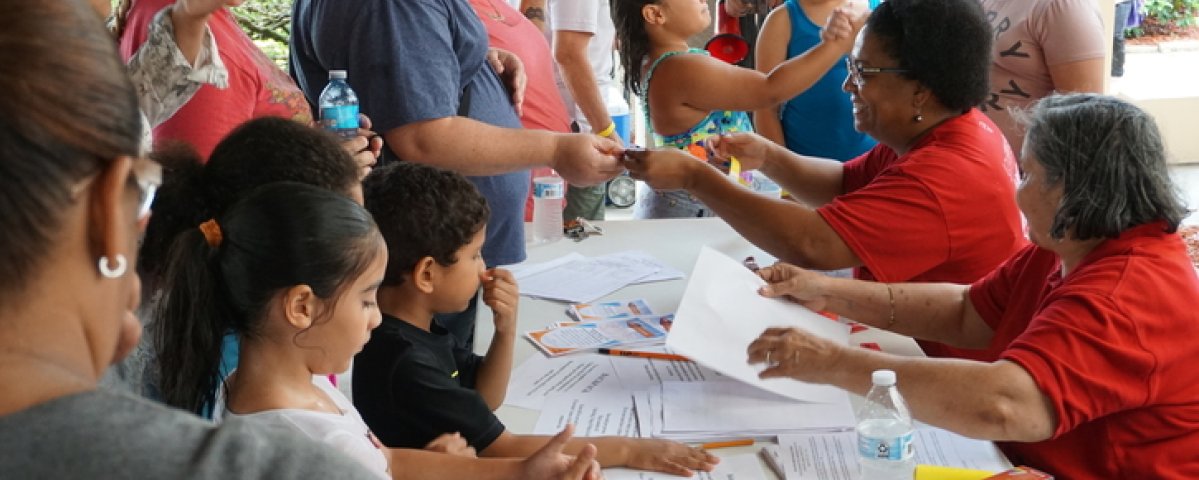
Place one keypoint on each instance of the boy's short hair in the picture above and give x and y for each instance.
(422, 211)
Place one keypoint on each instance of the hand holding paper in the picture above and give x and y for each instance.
(795, 284)
(795, 354)
(722, 313)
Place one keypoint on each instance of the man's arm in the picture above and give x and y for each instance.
(570, 51)
(471, 147)
(534, 10)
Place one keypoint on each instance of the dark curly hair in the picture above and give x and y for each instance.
(422, 211)
(943, 44)
(258, 152)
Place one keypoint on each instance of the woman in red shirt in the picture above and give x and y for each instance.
(1097, 317)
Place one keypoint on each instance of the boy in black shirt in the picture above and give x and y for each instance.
(411, 383)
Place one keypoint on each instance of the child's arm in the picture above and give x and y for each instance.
(640, 453)
(502, 295)
(547, 463)
(452, 444)
(705, 83)
(770, 52)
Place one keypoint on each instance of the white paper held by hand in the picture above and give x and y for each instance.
(722, 312)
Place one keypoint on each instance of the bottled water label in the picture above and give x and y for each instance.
(885, 448)
(340, 118)
(548, 189)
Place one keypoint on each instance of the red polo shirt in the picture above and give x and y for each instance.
(1113, 346)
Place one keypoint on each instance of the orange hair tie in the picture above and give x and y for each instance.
(212, 233)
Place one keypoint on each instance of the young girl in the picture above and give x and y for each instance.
(689, 96)
(293, 270)
(258, 152)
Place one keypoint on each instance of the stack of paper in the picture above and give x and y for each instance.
(833, 456)
(578, 279)
(697, 412)
(540, 377)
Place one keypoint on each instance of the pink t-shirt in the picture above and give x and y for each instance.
(1030, 37)
(257, 87)
(508, 29)
(543, 108)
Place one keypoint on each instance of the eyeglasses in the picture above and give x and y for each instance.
(856, 71)
(148, 175)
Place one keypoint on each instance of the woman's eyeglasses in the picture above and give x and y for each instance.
(856, 71)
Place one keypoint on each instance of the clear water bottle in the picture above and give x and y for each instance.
(339, 106)
(548, 192)
(885, 450)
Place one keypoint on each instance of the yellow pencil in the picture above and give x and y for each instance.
(745, 442)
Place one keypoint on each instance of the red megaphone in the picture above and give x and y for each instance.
(727, 44)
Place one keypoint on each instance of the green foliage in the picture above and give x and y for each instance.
(268, 22)
(1166, 17)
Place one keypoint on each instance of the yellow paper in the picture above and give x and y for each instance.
(933, 472)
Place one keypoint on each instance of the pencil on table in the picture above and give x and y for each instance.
(634, 353)
(745, 442)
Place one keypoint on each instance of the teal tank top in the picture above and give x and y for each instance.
(716, 123)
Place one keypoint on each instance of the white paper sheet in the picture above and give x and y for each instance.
(593, 415)
(722, 312)
(639, 257)
(538, 377)
(584, 280)
(522, 271)
(732, 467)
(833, 456)
(730, 407)
(642, 373)
(935, 446)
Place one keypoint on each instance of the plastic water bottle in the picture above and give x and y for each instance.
(885, 450)
(339, 106)
(548, 192)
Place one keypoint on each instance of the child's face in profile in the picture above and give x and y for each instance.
(355, 314)
(457, 284)
(687, 16)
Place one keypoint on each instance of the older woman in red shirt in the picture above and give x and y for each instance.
(1097, 376)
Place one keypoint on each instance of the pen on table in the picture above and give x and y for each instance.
(745, 442)
(634, 353)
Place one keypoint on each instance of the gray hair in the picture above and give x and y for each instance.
(1109, 158)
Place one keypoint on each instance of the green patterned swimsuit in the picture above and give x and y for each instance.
(680, 204)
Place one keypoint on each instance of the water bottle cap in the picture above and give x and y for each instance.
(337, 74)
(883, 378)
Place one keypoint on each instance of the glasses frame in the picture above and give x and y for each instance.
(856, 71)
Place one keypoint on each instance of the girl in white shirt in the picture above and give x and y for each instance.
(294, 269)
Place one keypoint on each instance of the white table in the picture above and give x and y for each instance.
(676, 242)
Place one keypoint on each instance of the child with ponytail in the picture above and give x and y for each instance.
(293, 270)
